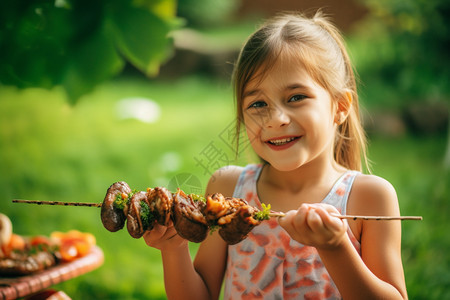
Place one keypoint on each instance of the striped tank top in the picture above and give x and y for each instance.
(268, 264)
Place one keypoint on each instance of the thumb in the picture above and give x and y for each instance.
(286, 220)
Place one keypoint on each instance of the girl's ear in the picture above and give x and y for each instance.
(343, 107)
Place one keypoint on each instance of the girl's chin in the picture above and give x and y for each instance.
(284, 166)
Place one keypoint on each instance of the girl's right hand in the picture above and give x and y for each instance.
(164, 238)
(313, 225)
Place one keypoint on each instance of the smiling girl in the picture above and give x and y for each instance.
(296, 97)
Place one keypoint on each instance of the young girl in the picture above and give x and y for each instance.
(296, 97)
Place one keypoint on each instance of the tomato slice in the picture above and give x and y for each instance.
(40, 240)
(17, 242)
(68, 251)
(74, 243)
(83, 247)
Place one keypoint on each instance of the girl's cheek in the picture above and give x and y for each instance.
(256, 119)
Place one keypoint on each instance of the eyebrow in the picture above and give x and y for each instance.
(292, 86)
(297, 86)
(251, 93)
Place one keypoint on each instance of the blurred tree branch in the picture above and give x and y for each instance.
(78, 44)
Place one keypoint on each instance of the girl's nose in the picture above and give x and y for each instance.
(276, 117)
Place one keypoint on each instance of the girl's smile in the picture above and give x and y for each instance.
(282, 143)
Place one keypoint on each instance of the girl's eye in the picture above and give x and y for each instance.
(257, 104)
(297, 98)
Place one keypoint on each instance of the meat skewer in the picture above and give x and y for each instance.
(271, 214)
(192, 215)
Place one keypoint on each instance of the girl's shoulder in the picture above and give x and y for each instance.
(372, 195)
(224, 180)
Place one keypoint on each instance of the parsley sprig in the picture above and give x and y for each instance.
(122, 200)
(196, 198)
(264, 213)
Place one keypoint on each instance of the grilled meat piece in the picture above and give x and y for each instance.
(238, 225)
(233, 215)
(188, 219)
(139, 218)
(22, 263)
(218, 206)
(160, 204)
(113, 218)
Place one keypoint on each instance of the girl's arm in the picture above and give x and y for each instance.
(378, 272)
(183, 279)
(180, 278)
(212, 254)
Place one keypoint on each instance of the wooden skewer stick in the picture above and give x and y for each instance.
(272, 214)
(39, 202)
(352, 217)
(377, 218)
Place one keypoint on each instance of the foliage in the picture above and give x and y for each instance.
(78, 43)
(206, 13)
(402, 48)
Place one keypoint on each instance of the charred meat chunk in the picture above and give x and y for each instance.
(160, 204)
(139, 218)
(236, 226)
(113, 218)
(233, 215)
(188, 219)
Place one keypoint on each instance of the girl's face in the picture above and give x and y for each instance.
(289, 118)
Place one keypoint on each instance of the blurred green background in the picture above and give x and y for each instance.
(140, 91)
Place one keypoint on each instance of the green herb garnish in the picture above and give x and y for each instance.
(264, 213)
(213, 228)
(132, 193)
(196, 198)
(122, 201)
(146, 215)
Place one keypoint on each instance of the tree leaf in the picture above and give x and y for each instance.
(93, 62)
(141, 37)
(80, 43)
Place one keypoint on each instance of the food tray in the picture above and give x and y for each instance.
(21, 286)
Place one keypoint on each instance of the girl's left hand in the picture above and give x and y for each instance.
(313, 225)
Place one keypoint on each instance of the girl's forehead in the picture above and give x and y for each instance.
(281, 74)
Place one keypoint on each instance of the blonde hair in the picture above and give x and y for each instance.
(319, 47)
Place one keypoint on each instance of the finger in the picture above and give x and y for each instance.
(314, 221)
(329, 222)
(157, 232)
(170, 223)
(175, 237)
(327, 207)
(286, 220)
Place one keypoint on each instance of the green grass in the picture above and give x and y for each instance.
(50, 150)
(415, 167)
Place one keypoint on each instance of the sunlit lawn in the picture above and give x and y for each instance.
(50, 150)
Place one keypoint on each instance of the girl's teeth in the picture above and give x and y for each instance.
(281, 141)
